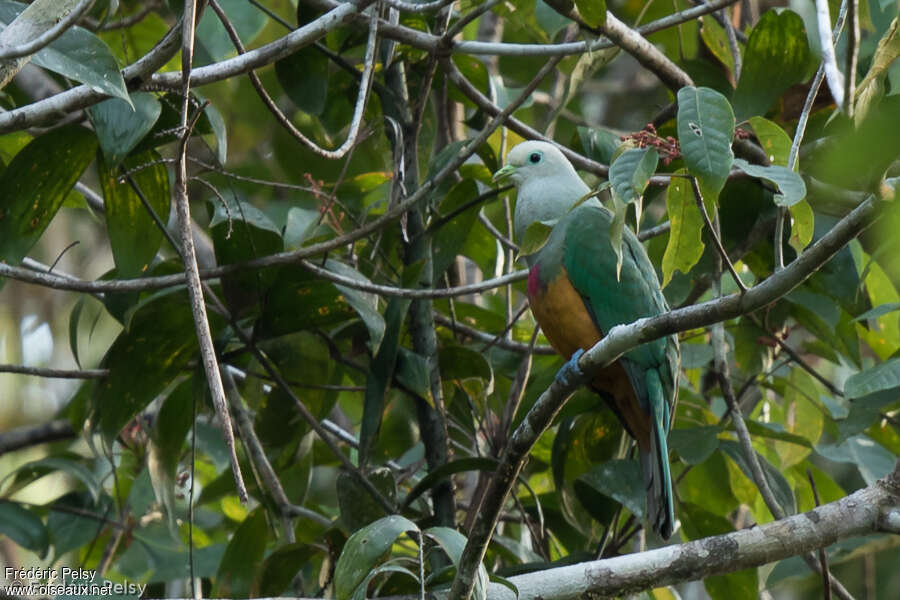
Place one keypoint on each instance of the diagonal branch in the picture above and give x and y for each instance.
(623, 338)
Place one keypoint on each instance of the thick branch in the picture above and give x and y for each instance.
(622, 339)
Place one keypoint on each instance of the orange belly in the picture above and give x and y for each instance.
(560, 311)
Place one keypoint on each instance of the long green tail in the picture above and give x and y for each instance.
(655, 463)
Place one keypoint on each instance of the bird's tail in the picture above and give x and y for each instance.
(655, 460)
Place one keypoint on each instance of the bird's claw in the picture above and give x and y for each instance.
(571, 374)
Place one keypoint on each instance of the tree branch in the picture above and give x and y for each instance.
(621, 339)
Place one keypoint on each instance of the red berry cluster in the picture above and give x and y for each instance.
(667, 147)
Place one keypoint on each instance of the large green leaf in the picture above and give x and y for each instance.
(776, 57)
(883, 376)
(451, 236)
(364, 303)
(144, 359)
(620, 480)
(773, 139)
(71, 465)
(598, 143)
(631, 171)
(74, 520)
(77, 54)
(304, 77)
(242, 557)
(366, 549)
(23, 527)
(34, 185)
(695, 444)
(453, 543)
(791, 187)
(213, 43)
(871, 458)
(280, 567)
(784, 495)
(592, 11)
(685, 245)
(705, 131)
(120, 126)
(133, 234)
(240, 232)
(357, 504)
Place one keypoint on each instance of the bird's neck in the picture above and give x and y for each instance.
(546, 199)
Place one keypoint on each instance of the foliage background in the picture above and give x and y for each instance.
(111, 494)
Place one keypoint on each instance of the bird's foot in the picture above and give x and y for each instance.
(571, 374)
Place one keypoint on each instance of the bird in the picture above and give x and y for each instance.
(577, 293)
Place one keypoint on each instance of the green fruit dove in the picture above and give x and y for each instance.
(576, 296)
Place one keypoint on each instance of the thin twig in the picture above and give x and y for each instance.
(852, 55)
(823, 557)
(712, 232)
(829, 61)
(55, 373)
(49, 36)
(189, 254)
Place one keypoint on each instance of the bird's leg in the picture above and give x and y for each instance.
(571, 374)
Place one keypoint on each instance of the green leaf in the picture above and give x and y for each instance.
(450, 238)
(630, 173)
(802, 225)
(685, 245)
(535, 238)
(716, 40)
(620, 480)
(144, 360)
(879, 311)
(77, 54)
(413, 373)
(774, 141)
(883, 376)
(791, 186)
(460, 465)
(784, 495)
(871, 458)
(364, 303)
(772, 431)
(242, 557)
(34, 185)
(240, 232)
(212, 39)
(366, 549)
(38, 468)
(705, 131)
(67, 524)
(617, 230)
(23, 527)
(592, 11)
(280, 567)
(304, 77)
(120, 126)
(453, 543)
(776, 57)
(133, 234)
(459, 362)
(598, 143)
(357, 505)
(695, 444)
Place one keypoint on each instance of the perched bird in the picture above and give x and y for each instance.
(576, 296)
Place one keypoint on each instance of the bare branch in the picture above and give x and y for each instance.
(34, 45)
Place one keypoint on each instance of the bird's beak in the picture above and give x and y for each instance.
(503, 173)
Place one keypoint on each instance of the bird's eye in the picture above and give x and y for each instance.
(535, 158)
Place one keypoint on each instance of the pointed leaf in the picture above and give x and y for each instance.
(34, 185)
(366, 549)
(631, 171)
(872, 86)
(133, 234)
(77, 54)
(802, 225)
(23, 527)
(705, 131)
(453, 543)
(782, 490)
(620, 480)
(883, 376)
(120, 126)
(536, 236)
(776, 57)
(879, 311)
(685, 245)
(242, 557)
(592, 11)
(304, 77)
(791, 186)
(871, 458)
(773, 139)
(598, 143)
(364, 303)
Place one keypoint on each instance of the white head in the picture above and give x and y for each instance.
(546, 181)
